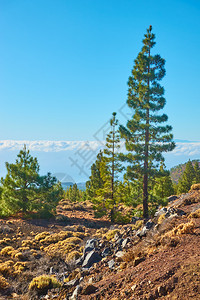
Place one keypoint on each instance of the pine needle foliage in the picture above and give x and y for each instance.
(146, 135)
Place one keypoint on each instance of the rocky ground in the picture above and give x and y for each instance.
(87, 258)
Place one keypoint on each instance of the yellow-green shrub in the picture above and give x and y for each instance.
(41, 235)
(54, 238)
(7, 251)
(63, 247)
(195, 214)
(73, 255)
(195, 187)
(44, 282)
(110, 234)
(6, 268)
(137, 225)
(161, 219)
(3, 283)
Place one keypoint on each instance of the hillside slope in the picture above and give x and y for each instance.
(92, 259)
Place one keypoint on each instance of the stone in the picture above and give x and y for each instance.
(71, 283)
(80, 260)
(76, 292)
(119, 254)
(138, 260)
(91, 258)
(125, 242)
(106, 252)
(92, 243)
(172, 198)
(111, 263)
(119, 241)
(89, 289)
(134, 287)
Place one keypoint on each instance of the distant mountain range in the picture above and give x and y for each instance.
(81, 185)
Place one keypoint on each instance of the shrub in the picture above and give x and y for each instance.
(169, 237)
(110, 234)
(195, 214)
(54, 238)
(3, 283)
(195, 187)
(6, 268)
(73, 255)
(7, 251)
(161, 219)
(42, 283)
(137, 225)
(41, 235)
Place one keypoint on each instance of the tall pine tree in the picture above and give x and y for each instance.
(146, 137)
(111, 158)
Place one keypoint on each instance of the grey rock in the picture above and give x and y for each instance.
(76, 292)
(119, 241)
(106, 252)
(141, 233)
(119, 254)
(71, 283)
(92, 243)
(80, 260)
(161, 211)
(91, 258)
(172, 198)
(125, 242)
(149, 224)
(111, 263)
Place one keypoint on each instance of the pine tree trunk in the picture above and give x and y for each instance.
(112, 179)
(145, 177)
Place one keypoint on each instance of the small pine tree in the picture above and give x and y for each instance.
(197, 172)
(187, 179)
(163, 185)
(95, 181)
(21, 182)
(24, 190)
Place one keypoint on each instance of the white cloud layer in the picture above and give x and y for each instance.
(48, 146)
(187, 149)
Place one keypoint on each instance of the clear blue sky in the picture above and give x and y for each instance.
(64, 64)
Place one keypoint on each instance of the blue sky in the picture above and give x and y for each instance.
(65, 64)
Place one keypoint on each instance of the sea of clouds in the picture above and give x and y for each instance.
(75, 158)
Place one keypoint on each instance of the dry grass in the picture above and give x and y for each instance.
(195, 214)
(161, 219)
(172, 237)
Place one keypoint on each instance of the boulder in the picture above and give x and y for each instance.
(91, 258)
